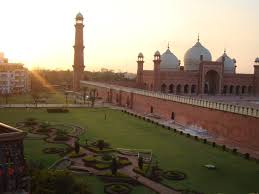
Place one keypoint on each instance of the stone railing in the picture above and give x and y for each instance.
(222, 106)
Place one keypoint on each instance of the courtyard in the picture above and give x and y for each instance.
(170, 150)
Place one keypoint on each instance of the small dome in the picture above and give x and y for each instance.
(169, 61)
(229, 64)
(157, 53)
(257, 60)
(192, 57)
(79, 16)
(140, 55)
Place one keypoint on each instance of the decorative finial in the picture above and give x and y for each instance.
(168, 46)
(198, 37)
(225, 50)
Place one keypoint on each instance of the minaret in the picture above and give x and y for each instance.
(156, 71)
(140, 62)
(78, 66)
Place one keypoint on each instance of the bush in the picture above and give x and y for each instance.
(57, 110)
(107, 157)
(61, 138)
(174, 175)
(89, 159)
(224, 147)
(204, 140)
(49, 181)
(234, 150)
(213, 144)
(196, 137)
(30, 121)
(247, 156)
(188, 135)
(101, 166)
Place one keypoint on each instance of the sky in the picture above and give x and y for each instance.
(40, 34)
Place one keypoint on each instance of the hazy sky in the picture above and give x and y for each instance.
(41, 33)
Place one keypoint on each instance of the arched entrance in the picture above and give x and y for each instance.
(211, 85)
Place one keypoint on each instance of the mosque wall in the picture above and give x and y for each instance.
(221, 120)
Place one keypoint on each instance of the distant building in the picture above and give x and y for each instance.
(14, 77)
(199, 75)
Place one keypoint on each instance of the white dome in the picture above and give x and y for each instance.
(169, 61)
(229, 64)
(192, 57)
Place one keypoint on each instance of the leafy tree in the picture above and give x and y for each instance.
(100, 144)
(140, 162)
(77, 147)
(35, 96)
(114, 166)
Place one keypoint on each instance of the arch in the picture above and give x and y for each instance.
(225, 89)
(250, 90)
(173, 116)
(244, 90)
(212, 79)
(231, 89)
(171, 88)
(163, 88)
(151, 109)
(206, 89)
(186, 88)
(237, 90)
(178, 89)
(193, 89)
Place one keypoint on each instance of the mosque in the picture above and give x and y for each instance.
(199, 75)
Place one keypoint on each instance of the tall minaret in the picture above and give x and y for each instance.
(78, 66)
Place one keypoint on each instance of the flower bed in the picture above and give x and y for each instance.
(117, 188)
(76, 155)
(174, 175)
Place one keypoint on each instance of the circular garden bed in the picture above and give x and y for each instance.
(174, 175)
(117, 188)
(53, 150)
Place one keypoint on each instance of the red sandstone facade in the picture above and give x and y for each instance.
(239, 125)
(78, 66)
(208, 78)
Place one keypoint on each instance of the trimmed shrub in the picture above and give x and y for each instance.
(174, 175)
(213, 144)
(181, 132)
(234, 150)
(188, 135)
(57, 110)
(195, 137)
(168, 128)
(247, 156)
(204, 140)
(224, 147)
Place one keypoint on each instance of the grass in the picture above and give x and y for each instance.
(33, 151)
(51, 98)
(172, 150)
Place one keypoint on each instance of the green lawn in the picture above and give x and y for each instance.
(52, 98)
(173, 151)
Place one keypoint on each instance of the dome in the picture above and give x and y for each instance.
(79, 16)
(229, 64)
(257, 60)
(157, 53)
(192, 57)
(169, 61)
(140, 55)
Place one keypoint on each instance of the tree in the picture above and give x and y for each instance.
(77, 147)
(140, 162)
(100, 144)
(35, 96)
(114, 166)
(92, 96)
(85, 89)
(66, 95)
